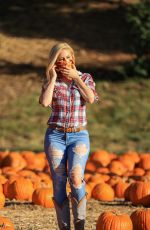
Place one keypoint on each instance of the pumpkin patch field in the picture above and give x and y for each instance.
(117, 186)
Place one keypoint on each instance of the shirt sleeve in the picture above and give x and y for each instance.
(91, 84)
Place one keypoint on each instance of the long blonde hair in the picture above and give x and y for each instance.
(53, 55)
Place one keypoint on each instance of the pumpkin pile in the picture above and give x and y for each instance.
(26, 176)
(110, 176)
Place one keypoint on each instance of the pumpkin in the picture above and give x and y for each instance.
(144, 161)
(22, 189)
(134, 155)
(117, 168)
(140, 193)
(7, 190)
(140, 219)
(96, 178)
(103, 192)
(6, 223)
(15, 160)
(111, 220)
(3, 179)
(138, 172)
(103, 170)
(2, 200)
(127, 161)
(120, 188)
(127, 192)
(34, 161)
(114, 180)
(101, 157)
(43, 196)
(90, 167)
(87, 176)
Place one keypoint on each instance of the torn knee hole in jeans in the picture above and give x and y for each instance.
(55, 153)
(76, 178)
(56, 156)
(80, 149)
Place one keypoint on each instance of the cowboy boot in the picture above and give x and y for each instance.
(63, 214)
(79, 212)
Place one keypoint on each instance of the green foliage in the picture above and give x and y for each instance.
(138, 19)
(120, 122)
(139, 67)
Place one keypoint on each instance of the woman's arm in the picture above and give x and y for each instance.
(45, 98)
(85, 91)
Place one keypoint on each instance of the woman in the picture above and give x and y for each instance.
(66, 144)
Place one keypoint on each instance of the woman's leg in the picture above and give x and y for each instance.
(55, 150)
(77, 153)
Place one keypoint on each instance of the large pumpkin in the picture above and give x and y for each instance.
(141, 219)
(113, 221)
(140, 193)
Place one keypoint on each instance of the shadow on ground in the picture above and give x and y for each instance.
(100, 27)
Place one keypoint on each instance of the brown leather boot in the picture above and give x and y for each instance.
(63, 214)
(79, 212)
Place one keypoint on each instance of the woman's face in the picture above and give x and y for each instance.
(64, 59)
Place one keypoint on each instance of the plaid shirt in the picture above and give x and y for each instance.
(68, 106)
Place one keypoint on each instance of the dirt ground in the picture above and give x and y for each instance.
(26, 216)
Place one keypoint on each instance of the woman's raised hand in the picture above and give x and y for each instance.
(70, 72)
(51, 74)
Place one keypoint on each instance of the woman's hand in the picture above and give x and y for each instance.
(51, 74)
(70, 73)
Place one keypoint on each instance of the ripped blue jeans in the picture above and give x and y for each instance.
(67, 154)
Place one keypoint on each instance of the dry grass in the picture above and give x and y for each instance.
(26, 216)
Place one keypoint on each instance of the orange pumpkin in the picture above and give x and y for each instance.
(111, 220)
(120, 188)
(22, 189)
(140, 193)
(34, 161)
(7, 190)
(6, 223)
(117, 168)
(43, 196)
(15, 160)
(103, 192)
(2, 200)
(141, 219)
(90, 167)
(101, 157)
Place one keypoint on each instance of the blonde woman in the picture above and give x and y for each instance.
(67, 146)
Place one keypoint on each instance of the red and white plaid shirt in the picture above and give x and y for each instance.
(68, 106)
